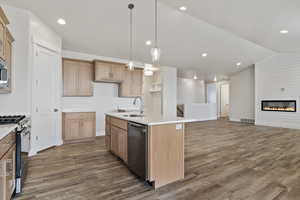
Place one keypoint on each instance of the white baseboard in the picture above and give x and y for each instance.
(206, 119)
(234, 120)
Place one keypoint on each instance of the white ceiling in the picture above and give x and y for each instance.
(259, 21)
(230, 31)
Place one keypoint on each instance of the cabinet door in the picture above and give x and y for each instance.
(11, 172)
(2, 40)
(108, 142)
(125, 87)
(118, 71)
(87, 128)
(85, 86)
(123, 144)
(102, 71)
(115, 140)
(137, 83)
(7, 176)
(72, 129)
(70, 77)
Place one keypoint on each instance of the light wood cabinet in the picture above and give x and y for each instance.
(77, 78)
(79, 127)
(2, 40)
(8, 167)
(115, 141)
(3, 23)
(107, 133)
(132, 84)
(6, 41)
(108, 71)
(119, 135)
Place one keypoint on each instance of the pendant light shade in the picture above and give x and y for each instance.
(155, 52)
(130, 64)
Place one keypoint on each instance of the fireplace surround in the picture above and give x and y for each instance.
(279, 105)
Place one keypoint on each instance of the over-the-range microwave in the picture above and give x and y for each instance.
(3, 74)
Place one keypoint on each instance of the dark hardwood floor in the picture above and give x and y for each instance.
(224, 161)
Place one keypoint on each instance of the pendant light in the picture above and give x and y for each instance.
(130, 64)
(155, 52)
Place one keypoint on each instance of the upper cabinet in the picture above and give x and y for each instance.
(77, 78)
(132, 84)
(108, 71)
(3, 22)
(6, 41)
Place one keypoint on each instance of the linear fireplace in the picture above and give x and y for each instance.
(279, 106)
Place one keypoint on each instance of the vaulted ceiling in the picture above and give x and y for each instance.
(229, 31)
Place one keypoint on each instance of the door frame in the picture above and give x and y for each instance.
(36, 45)
(220, 98)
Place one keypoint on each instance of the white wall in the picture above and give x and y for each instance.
(105, 97)
(278, 78)
(242, 95)
(190, 91)
(18, 102)
(201, 111)
(26, 29)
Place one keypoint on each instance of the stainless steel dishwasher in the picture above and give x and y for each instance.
(137, 149)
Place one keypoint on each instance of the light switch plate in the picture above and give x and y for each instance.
(178, 126)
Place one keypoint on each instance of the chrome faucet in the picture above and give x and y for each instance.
(141, 104)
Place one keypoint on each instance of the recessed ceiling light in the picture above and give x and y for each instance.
(238, 64)
(284, 31)
(204, 54)
(195, 77)
(148, 42)
(61, 21)
(183, 8)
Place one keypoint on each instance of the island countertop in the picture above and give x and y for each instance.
(150, 120)
(6, 129)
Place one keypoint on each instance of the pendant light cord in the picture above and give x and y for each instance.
(155, 23)
(131, 35)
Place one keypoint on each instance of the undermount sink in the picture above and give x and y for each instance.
(133, 115)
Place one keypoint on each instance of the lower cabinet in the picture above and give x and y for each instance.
(118, 140)
(79, 127)
(8, 172)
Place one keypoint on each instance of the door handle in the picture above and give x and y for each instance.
(55, 110)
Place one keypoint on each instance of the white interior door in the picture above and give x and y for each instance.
(46, 98)
(224, 100)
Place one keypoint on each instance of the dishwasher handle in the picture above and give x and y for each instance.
(136, 125)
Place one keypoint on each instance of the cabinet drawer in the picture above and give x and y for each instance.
(6, 143)
(119, 123)
(80, 115)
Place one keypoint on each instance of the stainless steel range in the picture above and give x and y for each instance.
(22, 145)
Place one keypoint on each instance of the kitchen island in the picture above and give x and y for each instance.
(163, 145)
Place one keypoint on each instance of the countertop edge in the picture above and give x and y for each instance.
(172, 121)
(6, 129)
